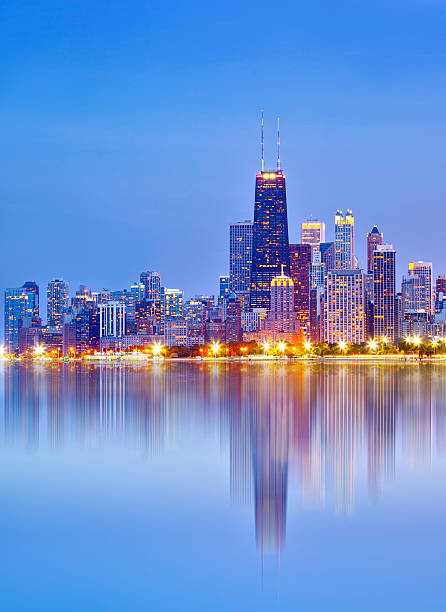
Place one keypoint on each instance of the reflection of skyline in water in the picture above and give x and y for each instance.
(313, 427)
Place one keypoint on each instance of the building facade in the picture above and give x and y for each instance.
(312, 232)
(385, 323)
(240, 256)
(374, 238)
(111, 320)
(344, 241)
(300, 262)
(270, 236)
(152, 284)
(344, 306)
(57, 302)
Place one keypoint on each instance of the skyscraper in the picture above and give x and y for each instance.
(57, 302)
(422, 270)
(240, 256)
(223, 288)
(384, 292)
(152, 282)
(328, 255)
(312, 232)
(344, 241)
(374, 238)
(344, 306)
(281, 321)
(270, 236)
(300, 261)
(32, 289)
(270, 232)
(17, 306)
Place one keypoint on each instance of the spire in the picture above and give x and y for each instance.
(278, 144)
(262, 142)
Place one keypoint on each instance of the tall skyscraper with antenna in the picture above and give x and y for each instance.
(270, 247)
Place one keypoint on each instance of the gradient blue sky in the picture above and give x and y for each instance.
(130, 130)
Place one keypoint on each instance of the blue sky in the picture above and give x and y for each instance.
(130, 130)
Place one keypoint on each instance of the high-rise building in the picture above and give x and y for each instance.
(300, 261)
(270, 236)
(281, 318)
(344, 241)
(344, 306)
(317, 270)
(17, 307)
(374, 238)
(417, 288)
(171, 303)
(312, 232)
(233, 320)
(152, 283)
(440, 292)
(32, 289)
(384, 292)
(223, 288)
(57, 302)
(175, 331)
(328, 255)
(240, 256)
(111, 320)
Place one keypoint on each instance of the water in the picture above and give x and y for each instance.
(203, 486)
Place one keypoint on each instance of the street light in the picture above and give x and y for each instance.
(266, 346)
(215, 348)
(342, 345)
(373, 345)
(307, 345)
(39, 350)
(417, 340)
(408, 339)
(385, 340)
(156, 349)
(282, 347)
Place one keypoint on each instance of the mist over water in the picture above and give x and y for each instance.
(223, 486)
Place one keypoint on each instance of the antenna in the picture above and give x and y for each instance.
(278, 144)
(262, 141)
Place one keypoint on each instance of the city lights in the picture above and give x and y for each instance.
(307, 345)
(282, 347)
(266, 347)
(373, 345)
(342, 345)
(39, 349)
(215, 347)
(157, 349)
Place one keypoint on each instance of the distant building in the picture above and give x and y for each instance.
(440, 286)
(270, 236)
(344, 306)
(374, 238)
(384, 292)
(31, 288)
(417, 288)
(300, 262)
(19, 304)
(328, 255)
(171, 303)
(111, 320)
(281, 321)
(240, 256)
(57, 302)
(312, 232)
(152, 284)
(317, 270)
(345, 241)
(233, 321)
(224, 288)
(175, 331)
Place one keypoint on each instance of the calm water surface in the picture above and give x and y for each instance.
(225, 486)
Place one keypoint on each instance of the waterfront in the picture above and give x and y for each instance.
(219, 485)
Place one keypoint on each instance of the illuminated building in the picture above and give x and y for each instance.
(251, 321)
(440, 286)
(57, 302)
(417, 288)
(281, 321)
(148, 315)
(194, 312)
(328, 255)
(233, 323)
(139, 291)
(270, 236)
(312, 232)
(111, 320)
(317, 269)
(240, 256)
(31, 288)
(175, 331)
(152, 283)
(82, 299)
(171, 303)
(374, 238)
(300, 261)
(19, 304)
(385, 323)
(345, 241)
(224, 289)
(344, 306)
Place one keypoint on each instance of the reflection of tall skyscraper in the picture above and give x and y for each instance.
(344, 241)
(240, 256)
(270, 234)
